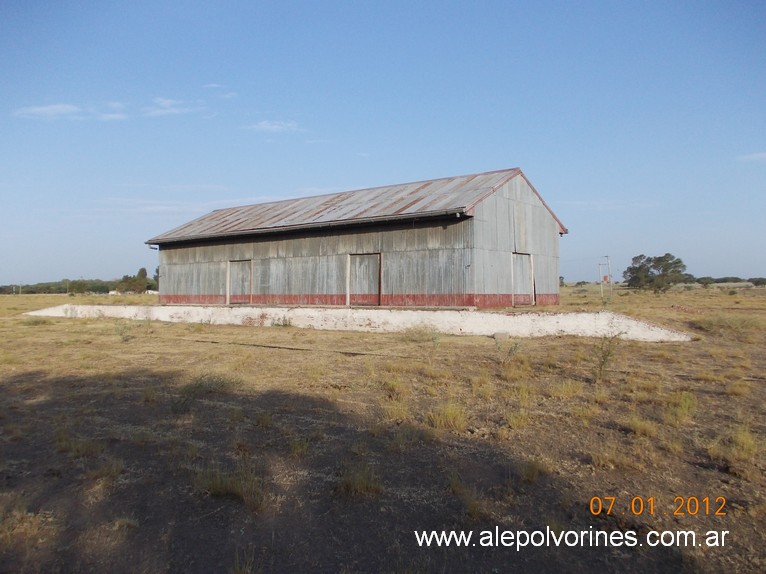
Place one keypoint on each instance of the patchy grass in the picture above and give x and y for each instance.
(210, 383)
(642, 426)
(473, 505)
(244, 483)
(736, 447)
(566, 389)
(737, 326)
(36, 322)
(121, 455)
(517, 418)
(448, 416)
(77, 447)
(359, 480)
(681, 408)
(420, 334)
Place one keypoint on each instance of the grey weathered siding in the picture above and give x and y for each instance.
(515, 221)
(418, 259)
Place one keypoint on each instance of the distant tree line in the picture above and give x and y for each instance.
(138, 283)
(662, 272)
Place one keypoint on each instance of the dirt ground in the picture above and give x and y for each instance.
(138, 446)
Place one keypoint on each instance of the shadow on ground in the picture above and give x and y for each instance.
(142, 472)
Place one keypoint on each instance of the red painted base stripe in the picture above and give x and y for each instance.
(397, 300)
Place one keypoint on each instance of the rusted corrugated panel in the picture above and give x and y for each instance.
(452, 195)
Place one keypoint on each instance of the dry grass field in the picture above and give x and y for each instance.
(156, 447)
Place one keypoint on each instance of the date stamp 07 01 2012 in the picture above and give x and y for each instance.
(647, 506)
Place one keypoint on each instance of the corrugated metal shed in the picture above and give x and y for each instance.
(418, 200)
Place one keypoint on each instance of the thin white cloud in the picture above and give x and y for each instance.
(72, 112)
(111, 111)
(224, 95)
(760, 156)
(168, 107)
(272, 126)
(50, 112)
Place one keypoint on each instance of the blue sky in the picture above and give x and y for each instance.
(642, 124)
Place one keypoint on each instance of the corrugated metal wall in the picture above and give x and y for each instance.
(415, 261)
(517, 246)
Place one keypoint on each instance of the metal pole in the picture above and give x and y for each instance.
(609, 271)
(601, 280)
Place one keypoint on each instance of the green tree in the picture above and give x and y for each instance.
(656, 273)
(134, 283)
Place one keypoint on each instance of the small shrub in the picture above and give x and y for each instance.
(243, 483)
(566, 389)
(507, 355)
(77, 447)
(109, 470)
(404, 437)
(585, 413)
(448, 416)
(236, 414)
(123, 330)
(181, 404)
(603, 355)
(299, 447)
(244, 563)
(474, 507)
(36, 322)
(681, 408)
(397, 411)
(359, 480)
(420, 334)
(531, 470)
(608, 455)
(523, 393)
(208, 384)
(481, 386)
(643, 427)
(395, 390)
(519, 367)
(517, 419)
(263, 420)
(738, 388)
(149, 395)
(739, 447)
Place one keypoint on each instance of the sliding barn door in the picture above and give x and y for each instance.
(364, 279)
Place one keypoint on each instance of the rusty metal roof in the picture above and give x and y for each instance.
(407, 201)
